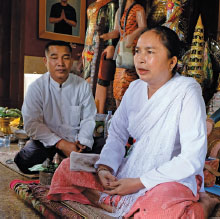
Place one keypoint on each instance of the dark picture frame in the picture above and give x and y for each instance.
(46, 28)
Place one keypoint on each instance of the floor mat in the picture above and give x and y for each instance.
(7, 159)
(34, 194)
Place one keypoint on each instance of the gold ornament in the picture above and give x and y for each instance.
(195, 62)
(174, 10)
(218, 88)
(158, 10)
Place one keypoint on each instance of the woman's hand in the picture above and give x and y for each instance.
(106, 178)
(124, 186)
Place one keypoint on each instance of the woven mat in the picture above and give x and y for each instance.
(35, 195)
(7, 159)
(86, 210)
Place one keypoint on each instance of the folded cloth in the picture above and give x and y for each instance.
(83, 162)
(69, 185)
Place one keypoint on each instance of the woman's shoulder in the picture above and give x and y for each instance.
(185, 80)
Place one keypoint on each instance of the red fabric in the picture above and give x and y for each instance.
(69, 185)
(168, 200)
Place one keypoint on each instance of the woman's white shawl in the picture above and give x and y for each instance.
(155, 129)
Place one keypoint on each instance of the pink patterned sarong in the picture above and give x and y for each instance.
(167, 200)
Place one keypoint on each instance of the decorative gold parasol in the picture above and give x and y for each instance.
(194, 66)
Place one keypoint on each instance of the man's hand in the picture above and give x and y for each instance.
(55, 20)
(62, 16)
(67, 147)
(124, 186)
(70, 22)
(81, 147)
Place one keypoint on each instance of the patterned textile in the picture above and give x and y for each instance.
(173, 200)
(131, 24)
(35, 195)
(174, 10)
(123, 77)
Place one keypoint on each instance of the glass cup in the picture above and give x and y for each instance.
(2, 140)
(7, 140)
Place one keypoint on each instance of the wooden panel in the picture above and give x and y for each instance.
(5, 19)
(218, 35)
(12, 53)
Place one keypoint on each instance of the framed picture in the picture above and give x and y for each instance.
(67, 23)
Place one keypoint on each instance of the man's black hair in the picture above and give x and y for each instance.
(57, 43)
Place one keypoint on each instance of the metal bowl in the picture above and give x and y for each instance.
(21, 134)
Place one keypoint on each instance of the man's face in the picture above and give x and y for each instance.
(58, 62)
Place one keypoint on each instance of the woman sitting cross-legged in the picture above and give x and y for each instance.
(162, 176)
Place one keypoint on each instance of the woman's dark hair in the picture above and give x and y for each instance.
(57, 43)
(170, 40)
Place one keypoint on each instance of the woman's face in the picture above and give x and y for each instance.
(151, 60)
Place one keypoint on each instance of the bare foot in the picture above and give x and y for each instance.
(93, 196)
(208, 203)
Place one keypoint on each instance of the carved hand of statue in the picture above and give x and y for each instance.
(104, 37)
(210, 125)
(128, 40)
(109, 50)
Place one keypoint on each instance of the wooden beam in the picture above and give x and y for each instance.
(12, 52)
